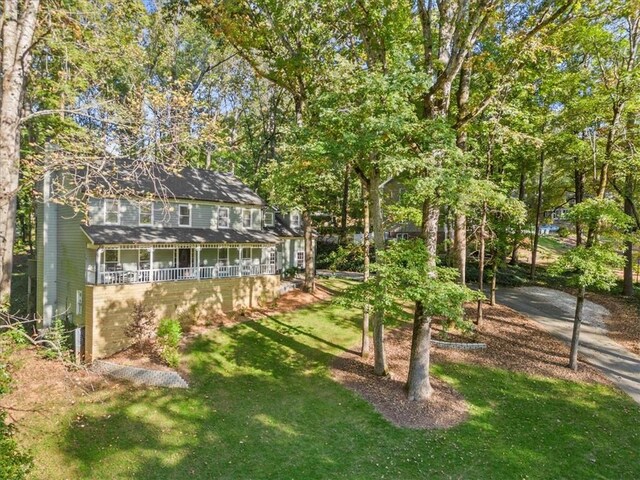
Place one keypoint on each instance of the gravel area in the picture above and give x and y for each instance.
(143, 376)
(594, 315)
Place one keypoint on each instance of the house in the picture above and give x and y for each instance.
(206, 244)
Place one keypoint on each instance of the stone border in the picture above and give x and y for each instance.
(154, 378)
(459, 346)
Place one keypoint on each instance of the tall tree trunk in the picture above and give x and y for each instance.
(366, 243)
(603, 180)
(375, 197)
(18, 27)
(494, 276)
(460, 235)
(536, 234)
(579, 188)
(627, 289)
(418, 384)
(481, 254)
(309, 284)
(460, 246)
(516, 243)
(575, 338)
(345, 204)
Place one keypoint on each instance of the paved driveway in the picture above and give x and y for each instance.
(554, 311)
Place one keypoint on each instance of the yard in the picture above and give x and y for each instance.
(262, 404)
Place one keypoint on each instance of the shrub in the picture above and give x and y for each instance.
(169, 335)
(57, 341)
(16, 333)
(142, 326)
(563, 232)
(290, 272)
(14, 463)
(324, 252)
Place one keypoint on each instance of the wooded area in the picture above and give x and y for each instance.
(488, 114)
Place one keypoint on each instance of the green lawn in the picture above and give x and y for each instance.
(551, 248)
(262, 405)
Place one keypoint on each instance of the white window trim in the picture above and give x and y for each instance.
(298, 221)
(104, 210)
(266, 215)
(228, 217)
(299, 253)
(188, 205)
(140, 204)
(250, 211)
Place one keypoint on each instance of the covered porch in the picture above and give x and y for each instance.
(125, 264)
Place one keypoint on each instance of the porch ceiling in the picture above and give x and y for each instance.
(116, 234)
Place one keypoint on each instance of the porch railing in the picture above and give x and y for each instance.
(174, 274)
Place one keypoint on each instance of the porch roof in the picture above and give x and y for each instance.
(116, 234)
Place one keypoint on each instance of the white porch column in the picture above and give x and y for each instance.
(198, 248)
(98, 264)
(239, 261)
(151, 279)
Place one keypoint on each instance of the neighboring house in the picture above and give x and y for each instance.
(210, 244)
(395, 230)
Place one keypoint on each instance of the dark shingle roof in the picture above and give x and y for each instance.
(116, 234)
(281, 229)
(189, 183)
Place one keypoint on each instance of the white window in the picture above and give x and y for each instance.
(402, 236)
(184, 215)
(111, 260)
(246, 218)
(223, 217)
(145, 213)
(295, 219)
(300, 259)
(112, 212)
(272, 257)
(268, 219)
(78, 302)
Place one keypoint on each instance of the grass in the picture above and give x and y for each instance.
(262, 405)
(551, 248)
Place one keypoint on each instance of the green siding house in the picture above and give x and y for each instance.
(206, 244)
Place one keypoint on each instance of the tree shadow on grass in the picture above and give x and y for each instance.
(262, 406)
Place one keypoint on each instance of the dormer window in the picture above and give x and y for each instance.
(184, 215)
(111, 212)
(268, 219)
(295, 219)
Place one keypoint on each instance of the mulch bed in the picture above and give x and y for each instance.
(514, 342)
(517, 343)
(445, 409)
(46, 387)
(623, 325)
